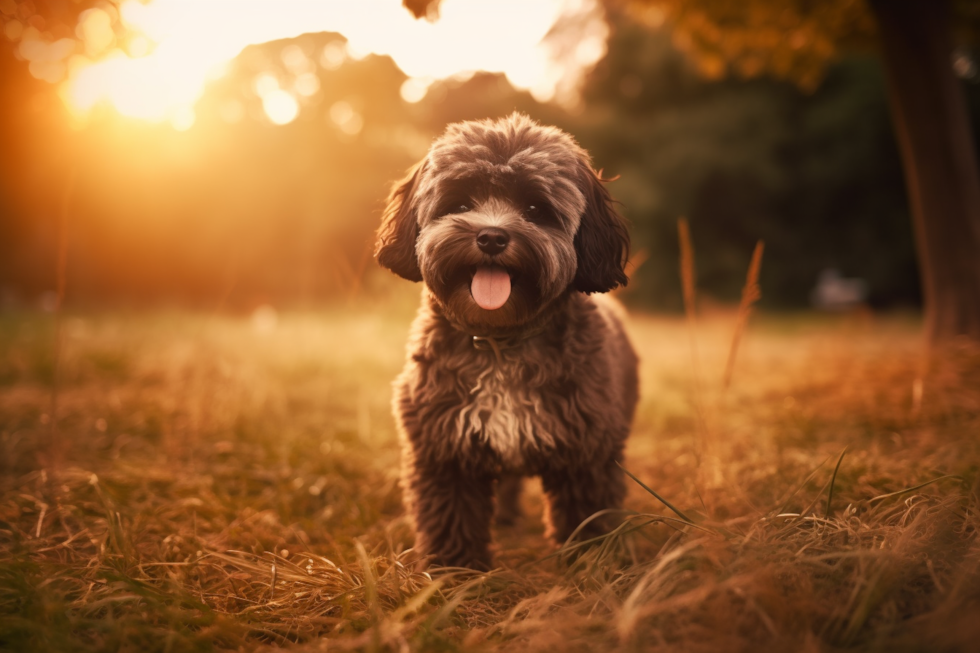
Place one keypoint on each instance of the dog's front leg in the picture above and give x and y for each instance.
(452, 509)
(576, 493)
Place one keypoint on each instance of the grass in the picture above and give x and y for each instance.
(222, 484)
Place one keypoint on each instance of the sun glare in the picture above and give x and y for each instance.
(174, 47)
(280, 106)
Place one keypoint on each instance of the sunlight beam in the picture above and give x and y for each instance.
(192, 41)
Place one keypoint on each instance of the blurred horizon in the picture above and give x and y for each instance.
(231, 210)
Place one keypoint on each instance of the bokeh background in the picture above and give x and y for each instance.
(197, 451)
(265, 184)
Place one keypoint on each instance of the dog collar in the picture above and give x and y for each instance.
(488, 343)
(497, 345)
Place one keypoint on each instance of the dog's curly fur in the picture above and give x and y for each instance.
(554, 391)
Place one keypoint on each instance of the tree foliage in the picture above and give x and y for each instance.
(786, 39)
(815, 174)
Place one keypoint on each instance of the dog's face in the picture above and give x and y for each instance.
(500, 219)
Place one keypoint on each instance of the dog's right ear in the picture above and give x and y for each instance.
(399, 228)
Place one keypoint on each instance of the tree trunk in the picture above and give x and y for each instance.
(929, 111)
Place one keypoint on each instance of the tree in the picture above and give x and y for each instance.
(796, 39)
(940, 161)
(914, 38)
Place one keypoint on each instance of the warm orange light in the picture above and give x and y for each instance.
(280, 106)
(177, 45)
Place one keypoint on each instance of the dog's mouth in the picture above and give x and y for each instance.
(490, 286)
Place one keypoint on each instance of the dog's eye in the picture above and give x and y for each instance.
(462, 207)
(539, 214)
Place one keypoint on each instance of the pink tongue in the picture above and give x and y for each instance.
(490, 287)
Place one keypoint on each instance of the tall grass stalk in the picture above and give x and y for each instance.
(689, 285)
(750, 295)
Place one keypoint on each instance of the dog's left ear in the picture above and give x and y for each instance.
(602, 243)
(399, 228)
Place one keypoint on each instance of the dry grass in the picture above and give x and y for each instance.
(750, 295)
(224, 488)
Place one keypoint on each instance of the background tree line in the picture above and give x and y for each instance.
(237, 211)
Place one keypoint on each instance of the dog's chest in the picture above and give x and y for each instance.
(505, 414)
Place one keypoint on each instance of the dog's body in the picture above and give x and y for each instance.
(512, 369)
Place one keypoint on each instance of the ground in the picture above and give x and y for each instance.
(219, 482)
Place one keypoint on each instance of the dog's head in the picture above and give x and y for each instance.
(500, 219)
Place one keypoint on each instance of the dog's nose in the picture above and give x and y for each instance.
(492, 240)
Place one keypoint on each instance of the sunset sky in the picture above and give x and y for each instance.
(171, 48)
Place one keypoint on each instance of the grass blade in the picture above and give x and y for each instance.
(750, 295)
(785, 502)
(662, 500)
(830, 494)
(911, 489)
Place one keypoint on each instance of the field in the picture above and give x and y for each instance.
(215, 482)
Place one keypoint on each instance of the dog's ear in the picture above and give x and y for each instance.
(399, 228)
(602, 243)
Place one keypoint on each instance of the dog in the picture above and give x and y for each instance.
(514, 368)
